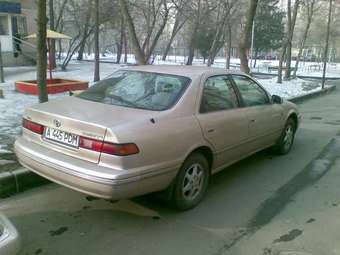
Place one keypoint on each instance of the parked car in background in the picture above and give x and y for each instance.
(9, 237)
(151, 128)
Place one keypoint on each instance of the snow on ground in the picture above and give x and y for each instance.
(313, 69)
(14, 103)
(291, 88)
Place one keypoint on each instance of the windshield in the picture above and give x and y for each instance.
(144, 90)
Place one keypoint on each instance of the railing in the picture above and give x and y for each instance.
(24, 42)
(27, 49)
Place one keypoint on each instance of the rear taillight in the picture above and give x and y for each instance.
(34, 127)
(90, 144)
(108, 148)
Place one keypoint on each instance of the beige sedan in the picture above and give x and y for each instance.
(153, 128)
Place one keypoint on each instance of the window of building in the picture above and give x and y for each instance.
(19, 26)
(4, 25)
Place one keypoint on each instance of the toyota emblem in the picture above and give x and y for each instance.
(57, 123)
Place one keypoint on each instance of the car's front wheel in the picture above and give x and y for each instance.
(191, 182)
(286, 140)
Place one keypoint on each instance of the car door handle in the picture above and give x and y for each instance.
(211, 130)
(253, 120)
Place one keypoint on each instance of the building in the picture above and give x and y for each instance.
(17, 20)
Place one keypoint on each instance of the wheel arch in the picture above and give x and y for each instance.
(206, 151)
(294, 117)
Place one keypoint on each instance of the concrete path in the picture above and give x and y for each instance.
(264, 205)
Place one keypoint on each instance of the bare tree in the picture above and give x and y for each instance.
(310, 8)
(228, 45)
(224, 11)
(291, 26)
(96, 41)
(85, 31)
(120, 40)
(246, 34)
(82, 27)
(180, 19)
(156, 14)
(287, 43)
(325, 56)
(42, 51)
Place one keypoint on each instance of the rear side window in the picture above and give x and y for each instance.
(218, 94)
(252, 94)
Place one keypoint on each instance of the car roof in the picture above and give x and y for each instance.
(183, 70)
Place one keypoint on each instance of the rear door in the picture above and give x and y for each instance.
(222, 121)
(264, 118)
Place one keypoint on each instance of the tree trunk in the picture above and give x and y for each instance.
(120, 43)
(228, 48)
(245, 37)
(60, 49)
(305, 34)
(96, 42)
(125, 49)
(325, 56)
(81, 51)
(281, 59)
(192, 45)
(137, 50)
(42, 51)
(288, 60)
(191, 55)
(255, 59)
(168, 46)
(52, 27)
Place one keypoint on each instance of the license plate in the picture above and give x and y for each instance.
(62, 137)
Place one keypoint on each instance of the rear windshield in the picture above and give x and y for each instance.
(144, 90)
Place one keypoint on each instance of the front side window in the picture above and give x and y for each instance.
(251, 93)
(135, 89)
(218, 94)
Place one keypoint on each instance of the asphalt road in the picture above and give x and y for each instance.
(242, 201)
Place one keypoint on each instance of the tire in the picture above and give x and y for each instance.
(285, 143)
(194, 177)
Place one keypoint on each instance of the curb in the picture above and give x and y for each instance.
(300, 99)
(19, 180)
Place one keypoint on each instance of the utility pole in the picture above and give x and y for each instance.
(2, 77)
(325, 56)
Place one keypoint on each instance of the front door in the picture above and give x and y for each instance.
(264, 118)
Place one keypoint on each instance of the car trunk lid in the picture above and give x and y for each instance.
(82, 118)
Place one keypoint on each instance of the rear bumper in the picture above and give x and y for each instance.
(87, 177)
(9, 237)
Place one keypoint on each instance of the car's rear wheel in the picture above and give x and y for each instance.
(286, 140)
(191, 182)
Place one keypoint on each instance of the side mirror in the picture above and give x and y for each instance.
(277, 99)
